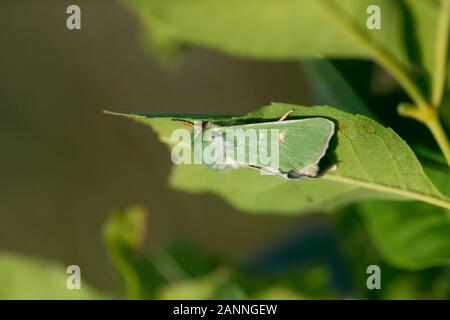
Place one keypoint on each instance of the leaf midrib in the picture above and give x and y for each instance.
(442, 202)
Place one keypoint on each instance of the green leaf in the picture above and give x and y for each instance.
(271, 29)
(182, 271)
(202, 288)
(145, 273)
(239, 283)
(411, 235)
(158, 37)
(421, 24)
(279, 293)
(33, 278)
(124, 233)
(330, 87)
(372, 163)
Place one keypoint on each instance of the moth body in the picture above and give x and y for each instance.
(290, 149)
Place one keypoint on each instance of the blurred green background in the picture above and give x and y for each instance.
(64, 165)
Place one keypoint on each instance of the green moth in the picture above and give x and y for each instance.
(290, 149)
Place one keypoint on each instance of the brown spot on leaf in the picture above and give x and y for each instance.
(366, 129)
(343, 127)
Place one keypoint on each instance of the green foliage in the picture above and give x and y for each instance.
(393, 208)
(152, 275)
(410, 235)
(358, 248)
(181, 271)
(32, 278)
(124, 234)
(372, 163)
(376, 169)
(331, 88)
(421, 19)
(269, 29)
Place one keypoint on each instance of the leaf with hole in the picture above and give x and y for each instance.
(290, 149)
(373, 163)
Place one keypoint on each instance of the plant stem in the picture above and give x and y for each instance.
(441, 55)
(129, 275)
(429, 116)
(168, 267)
(435, 126)
(378, 54)
(440, 202)
(424, 111)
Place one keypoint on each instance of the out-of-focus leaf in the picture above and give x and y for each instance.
(279, 293)
(411, 235)
(124, 233)
(430, 284)
(421, 24)
(331, 88)
(402, 288)
(182, 271)
(372, 163)
(202, 288)
(158, 37)
(314, 282)
(145, 273)
(32, 278)
(243, 284)
(194, 261)
(272, 29)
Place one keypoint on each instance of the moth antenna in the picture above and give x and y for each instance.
(286, 115)
(190, 123)
(196, 128)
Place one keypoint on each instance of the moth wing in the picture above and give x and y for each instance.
(300, 144)
(303, 145)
